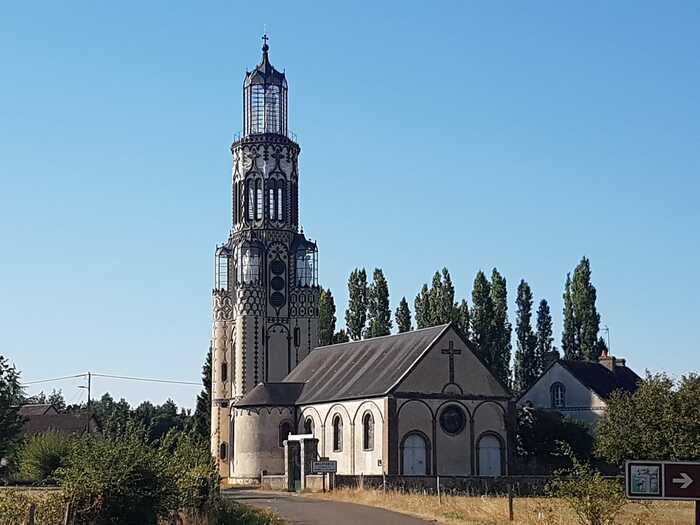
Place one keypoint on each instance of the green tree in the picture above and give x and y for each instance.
(403, 317)
(378, 310)
(43, 454)
(569, 344)
(501, 328)
(544, 336)
(461, 318)
(581, 318)
(422, 308)
(356, 313)
(586, 316)
(10, 398)
(526, 369)
(341, 336)
(661, 420)
(442, 298)
(202, 412)
(481, 318)
(326, 317)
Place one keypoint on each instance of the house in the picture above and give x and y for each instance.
(41, 418)
(580, 390)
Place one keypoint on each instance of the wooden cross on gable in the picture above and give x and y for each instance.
(451, 351)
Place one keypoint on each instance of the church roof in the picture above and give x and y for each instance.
(361, 369)
(265, 73)
(272, 394)
(601, 379)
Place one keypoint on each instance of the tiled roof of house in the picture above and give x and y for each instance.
(36, 409)
(354, 370)
(74, 423)
(601, 379)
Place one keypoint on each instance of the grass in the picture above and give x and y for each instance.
(493, 510)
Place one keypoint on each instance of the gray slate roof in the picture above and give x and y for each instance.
(355, 370)
(601, 379)
(272, 394)
(37, 409)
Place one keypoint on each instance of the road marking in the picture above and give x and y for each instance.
(684, 481)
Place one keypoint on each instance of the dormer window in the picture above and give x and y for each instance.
(558, 393)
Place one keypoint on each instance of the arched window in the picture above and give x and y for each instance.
(558, 392)
(224, 371)
(306, 264)
(223, 449)
(280, 196)
(248, 266)
(308, 426)
(337, 433)
(259, 202)
(250, 200)
(271, 202)
(285, 430)
(367, 431)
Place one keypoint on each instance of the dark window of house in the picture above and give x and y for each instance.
(309, 426)
(222, 450)
(224, 371)
(558, 392)
(285, 430)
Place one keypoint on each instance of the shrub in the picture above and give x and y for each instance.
(594, 500)
(14, 507)
(118, 481)
(42, 455)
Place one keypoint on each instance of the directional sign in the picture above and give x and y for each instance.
(673, 480)
(324, 466)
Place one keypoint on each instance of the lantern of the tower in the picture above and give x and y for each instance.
(265, 99)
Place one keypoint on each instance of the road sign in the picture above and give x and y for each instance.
(673, 480)
(324, 466)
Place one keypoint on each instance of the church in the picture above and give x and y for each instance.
(413, 404)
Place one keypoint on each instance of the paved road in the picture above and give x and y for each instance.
(301, 510)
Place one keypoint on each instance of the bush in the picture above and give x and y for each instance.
(42, 455)
(594, 500)
(14, 507)
(118, 481)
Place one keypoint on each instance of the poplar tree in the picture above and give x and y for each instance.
(326, 317)
(356, 313)
(583, 298)
(202, 412)
(11, 395)
(442, 298)
(480, 318)
(501, 328)
(422, 308)
(403, 317)
(526, 369)
(581, 318)
(461, 318)
(568, 335)
(378, 310)
(544, 335)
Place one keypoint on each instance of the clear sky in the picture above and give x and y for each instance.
(520, 135)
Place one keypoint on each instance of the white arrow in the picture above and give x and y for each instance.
(684, 481)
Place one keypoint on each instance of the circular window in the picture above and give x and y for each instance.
(277, 283)
(277, 299)
(277, 267)
(452, 419)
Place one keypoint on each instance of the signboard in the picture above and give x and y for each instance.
(673, 480)
(324, 466)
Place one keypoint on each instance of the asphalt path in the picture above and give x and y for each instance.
(303, 510)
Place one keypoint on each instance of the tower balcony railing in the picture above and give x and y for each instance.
(290, 134)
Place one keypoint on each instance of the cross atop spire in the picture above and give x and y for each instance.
(265, 47)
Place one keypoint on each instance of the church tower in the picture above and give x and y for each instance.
(265, 297)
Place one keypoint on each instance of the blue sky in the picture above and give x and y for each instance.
(460, 134)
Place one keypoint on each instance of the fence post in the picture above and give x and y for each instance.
(384, 482)
(437, 482)
(510, 501)
(31, 513)
(67, 516)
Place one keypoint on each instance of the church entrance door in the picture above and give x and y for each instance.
(489, 456)
(414, 456)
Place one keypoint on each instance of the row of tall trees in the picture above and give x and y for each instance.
(485, 323)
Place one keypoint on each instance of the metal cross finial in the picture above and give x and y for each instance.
(265, 38)
(451, 351)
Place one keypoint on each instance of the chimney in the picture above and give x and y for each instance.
(610, 362)
(549, 358)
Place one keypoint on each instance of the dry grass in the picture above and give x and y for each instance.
(491, 510)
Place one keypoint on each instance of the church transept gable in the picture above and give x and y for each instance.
(449, 367)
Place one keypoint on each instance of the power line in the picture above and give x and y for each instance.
(26, 383)
(111, 376)
(147, 379)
